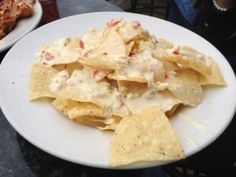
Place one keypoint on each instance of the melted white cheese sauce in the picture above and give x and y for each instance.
(92, 39)
(58, 52)
(194, 123)
(143, 65)
(101, 92)
(148, 99)
(59, 81)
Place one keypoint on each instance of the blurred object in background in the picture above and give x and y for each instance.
(218, 26)
(182, 12)
(124, 4)
(214, 23)
(155, 8)
(50, 11)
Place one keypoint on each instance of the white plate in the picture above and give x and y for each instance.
(23, 26)
(46, 128)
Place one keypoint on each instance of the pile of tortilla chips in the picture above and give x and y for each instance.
(123, 79)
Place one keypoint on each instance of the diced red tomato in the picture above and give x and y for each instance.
(113, 22)
(81, 44)
(166, 76)
(136, 24)
(176, 51)
(48, 56)
(94, 72)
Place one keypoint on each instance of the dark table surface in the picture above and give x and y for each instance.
(18, 158)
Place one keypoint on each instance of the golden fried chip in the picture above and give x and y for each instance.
(102, 123)
(165, 44)
(70, 67)
(113, 45)
(163, 99)
(75, 45)
(62, 51)
(126, 87)
(82, 84)
(64, 105)
(113, 123)
(92, 121)
(132, 31)
(72, 94)
(87, 109)
(139, 97)
(147, 136)
(86, 113)
(170, 66)
(118, 77)
(110, 54)
(41, 76)
(185, 86)
(173, 110)
(129, 47)
(215, 78)
(103, 61)
(190, 58)
(141, 67)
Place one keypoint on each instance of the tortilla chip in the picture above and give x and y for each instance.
(116, 76)
(64, 105)
(165, 44)
(60, 52)
(41, 76)
(103, 61)
(70, 67)
(147, 136)
(82, 84)
(185, 86)
(92, 39)
(109, 55)
(113, 123)
(215, 78)
(113, 45)
(130, 33)
(72, 94)
(87, 109)
(74, 45)
(139, 97)
(136, 73)
(104, 102)
(103, 94)
(197, 64)
(170, 66)
(173, 110)
(92, 121)
(101, 123)
(86, 113)
(150, 98)
(129, 47)
(126, 87)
